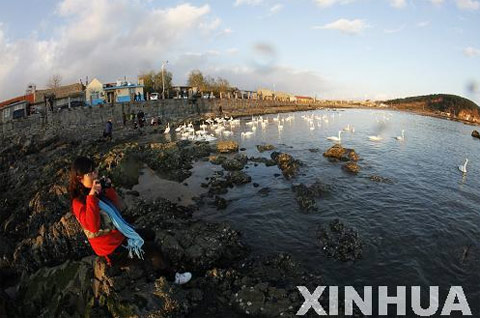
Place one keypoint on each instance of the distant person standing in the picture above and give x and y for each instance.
(124, 118)
(107, 133)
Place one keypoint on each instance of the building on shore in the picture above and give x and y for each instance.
(16, 110)
(57, 98)
(265, 94)
(304, 100)
(183, 92)
(123, 92)
(17, 107)
(94, 93)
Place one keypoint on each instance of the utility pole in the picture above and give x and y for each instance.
(163, 78)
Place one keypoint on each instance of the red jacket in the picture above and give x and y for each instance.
(103, 238)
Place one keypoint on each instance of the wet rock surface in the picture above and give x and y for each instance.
(339, 153)
(239, 177)
(228, 146)
(217, 160)
(266, 161)
(380, 179)
(286, 163)
(476, 134)
(306, 195)
(351, 167)
(340, 242)
(174, 160)
(232, 164)
(266, 147)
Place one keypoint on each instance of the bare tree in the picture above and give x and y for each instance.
(55, 81)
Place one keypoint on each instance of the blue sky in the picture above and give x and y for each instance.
(342, 49)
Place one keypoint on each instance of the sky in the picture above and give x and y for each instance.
(331, 49)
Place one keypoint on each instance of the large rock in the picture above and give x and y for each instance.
(340, 153)
(232, 164)
(340, 242)
(266, 147)
(476, 134)
(286, 163)
(239, 177)
(217, 160)
(266, 161)
(261, 287)
(351, 167)
(227, 146)
(306, 195)
(199, 246)
(61, 291)
(174, 160)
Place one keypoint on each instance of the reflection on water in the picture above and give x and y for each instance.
(414, 229)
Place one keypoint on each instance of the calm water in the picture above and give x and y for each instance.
(414, 230)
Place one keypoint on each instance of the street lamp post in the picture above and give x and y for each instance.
(163, 78)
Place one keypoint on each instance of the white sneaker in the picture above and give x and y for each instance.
(182, 278)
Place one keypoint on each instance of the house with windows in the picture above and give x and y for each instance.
(123, 91)
(16, 110)
(304, 100)
(61, 97)
(94, 93)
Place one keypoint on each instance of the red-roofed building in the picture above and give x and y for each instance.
(30, 98)
(304, 99)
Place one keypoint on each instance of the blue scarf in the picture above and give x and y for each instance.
(135, 242)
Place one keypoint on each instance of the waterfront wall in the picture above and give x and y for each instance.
(72, 121)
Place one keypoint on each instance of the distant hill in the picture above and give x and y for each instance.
(444, 104)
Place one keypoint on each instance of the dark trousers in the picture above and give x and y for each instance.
(153, 256)
(154, 260)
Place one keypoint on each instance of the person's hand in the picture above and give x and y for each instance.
(96, 188)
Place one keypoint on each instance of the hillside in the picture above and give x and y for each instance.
(451, 106)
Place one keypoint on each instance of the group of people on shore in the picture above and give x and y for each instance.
(132, 120)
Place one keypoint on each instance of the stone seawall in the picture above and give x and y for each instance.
(67, 121)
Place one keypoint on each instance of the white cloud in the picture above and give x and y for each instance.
(346, 26)
(423, 24)
(224, 32)
(232, 50)
(329, 3)
(468, 4)
(247, 2)
(286, 79)
(119, 37)
(471, 52)
(212, 25)
(437, 2)
(398, 3)
(276, 8)
(396, 30)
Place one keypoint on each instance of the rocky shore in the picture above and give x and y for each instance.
(47, 268)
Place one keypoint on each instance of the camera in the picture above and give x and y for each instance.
(105, 183)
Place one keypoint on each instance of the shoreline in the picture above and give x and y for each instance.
(297, 108)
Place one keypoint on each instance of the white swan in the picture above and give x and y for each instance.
(167, 130)
(375, 138)
(402, 137)
(463, 168)
(180, 128)
(347, 128)
(246, 134)
(333, 138)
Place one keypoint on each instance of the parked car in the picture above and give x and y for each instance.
(154, 96)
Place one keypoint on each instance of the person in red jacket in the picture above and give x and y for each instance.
(105, 239)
